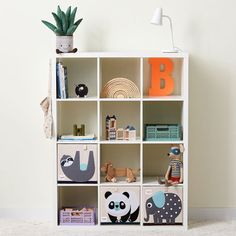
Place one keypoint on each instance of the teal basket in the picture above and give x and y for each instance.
(163, 132)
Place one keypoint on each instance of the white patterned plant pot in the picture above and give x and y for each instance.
(162, 205)
(64, 43)
(77, 163)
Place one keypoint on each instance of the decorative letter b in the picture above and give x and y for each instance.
(161, 70)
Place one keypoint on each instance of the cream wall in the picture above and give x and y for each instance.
(205, 28)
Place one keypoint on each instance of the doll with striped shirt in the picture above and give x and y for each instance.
(174, 173)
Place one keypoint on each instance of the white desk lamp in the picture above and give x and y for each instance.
(157, 20)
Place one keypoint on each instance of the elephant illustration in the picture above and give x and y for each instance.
(77, 171)
(163, 206)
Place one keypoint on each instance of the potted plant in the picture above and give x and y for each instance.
(64, 29)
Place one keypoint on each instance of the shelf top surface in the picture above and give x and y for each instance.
(145, 98)
(121, 54)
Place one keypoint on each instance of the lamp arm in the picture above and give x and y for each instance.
(171, 29)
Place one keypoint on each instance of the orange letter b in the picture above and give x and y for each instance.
(161, 70)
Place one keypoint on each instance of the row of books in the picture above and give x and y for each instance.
(62, 81)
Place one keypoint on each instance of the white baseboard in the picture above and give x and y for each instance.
(27, 214)
(196, 213)
(47, 214)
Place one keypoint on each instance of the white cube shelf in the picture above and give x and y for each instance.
(149, 157)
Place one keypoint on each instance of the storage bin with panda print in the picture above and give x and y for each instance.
(162, 205)
(120, 205)
(77, 163)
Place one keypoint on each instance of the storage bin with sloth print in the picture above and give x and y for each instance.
(77, 163)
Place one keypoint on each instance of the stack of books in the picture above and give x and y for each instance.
(62, 81)
(77, 138)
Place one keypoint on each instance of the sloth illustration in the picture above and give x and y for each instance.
(77, 171)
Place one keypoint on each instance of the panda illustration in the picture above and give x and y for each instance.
(122, 207)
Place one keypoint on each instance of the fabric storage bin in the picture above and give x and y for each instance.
(120, 205)
(162, 205)
(77, 163)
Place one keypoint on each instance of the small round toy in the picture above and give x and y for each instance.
(81, 90)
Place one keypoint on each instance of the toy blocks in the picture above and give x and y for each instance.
(130, 133)
(112, 133)
(111, 127)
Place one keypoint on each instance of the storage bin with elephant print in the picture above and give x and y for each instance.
(163, 205)
(120, 205)
(77, 163)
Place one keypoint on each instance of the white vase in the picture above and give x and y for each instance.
(64, 43)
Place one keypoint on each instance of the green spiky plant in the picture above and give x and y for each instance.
(65, 22)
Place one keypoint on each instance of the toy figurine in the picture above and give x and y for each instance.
(81, 90)
(174, 174)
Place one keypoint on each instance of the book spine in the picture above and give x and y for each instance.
(62, 81)
(66, 82)
(58, 80)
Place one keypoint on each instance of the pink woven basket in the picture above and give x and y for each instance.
(85, 216)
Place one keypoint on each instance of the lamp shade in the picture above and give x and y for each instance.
(157, 17)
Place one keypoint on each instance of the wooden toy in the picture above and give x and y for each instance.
(111, 127)
(77, 216)
(130, 133)
(162, 205)
(79, 131)
(112, 133)
(120, 205)
(120, 135)
(77, 163)
(112, 173)
(161, 70)
(120, 88)
(174, 173)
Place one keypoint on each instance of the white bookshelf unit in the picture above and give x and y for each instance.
(95, 70)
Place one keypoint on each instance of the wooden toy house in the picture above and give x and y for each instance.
(120, 134)
(130, 133)
(111, 127)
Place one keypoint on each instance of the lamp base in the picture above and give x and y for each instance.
(171, 51)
